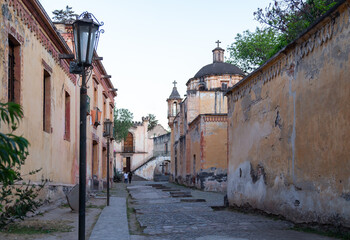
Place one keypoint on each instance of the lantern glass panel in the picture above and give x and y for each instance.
(107, 127)
(83, 32)
(76, 42)
(93, 34)
(111, 131)
(84, 38)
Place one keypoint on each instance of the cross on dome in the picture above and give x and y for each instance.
(218, 42)
(174, 83)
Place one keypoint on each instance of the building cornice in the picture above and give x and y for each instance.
(105, 82)
(222, 117)
(35, 18)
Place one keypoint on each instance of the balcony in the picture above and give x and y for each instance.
(128, 149)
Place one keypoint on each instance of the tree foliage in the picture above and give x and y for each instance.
(251, 49)
(64, 15)
(292, 17)
(16, 200)
(122, 123)
(152, 121)
(13, 149)
(283, 21)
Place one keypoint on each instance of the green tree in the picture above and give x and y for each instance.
(251, 49)
(13, 149)
(152, 121)
(291, 17)
(15, 199)
(64, 15)
(283, 21)
(122, 123)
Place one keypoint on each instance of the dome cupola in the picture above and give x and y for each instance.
(218, 67)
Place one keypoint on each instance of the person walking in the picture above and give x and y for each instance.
(125, 177)
(130, 177)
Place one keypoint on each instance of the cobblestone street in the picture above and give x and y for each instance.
(169, 211)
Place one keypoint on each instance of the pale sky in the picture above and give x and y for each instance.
(148, 44)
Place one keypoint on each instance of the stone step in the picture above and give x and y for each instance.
(155, 185)
(161, 178)
(192, 200)
(180, 194)
(138, 178)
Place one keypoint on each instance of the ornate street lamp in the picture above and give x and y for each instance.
(107, 128)
(108, 133)
(86, 34)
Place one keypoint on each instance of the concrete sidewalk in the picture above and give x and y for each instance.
(113, 222)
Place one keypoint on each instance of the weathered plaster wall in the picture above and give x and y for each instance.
(48, 150)
(40, 46)
(207, 153)
(161, 145)
(101, 99)
(289, 129)
(212, 102)
(201, 154)
(148, 170)
(157, 131)
(203, 102)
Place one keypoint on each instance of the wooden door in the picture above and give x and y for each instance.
(129, 143)
(128, 164)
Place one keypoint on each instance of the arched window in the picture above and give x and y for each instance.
(201, 86)
(174, 108)
(129, 143)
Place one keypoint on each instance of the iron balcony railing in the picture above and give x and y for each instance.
(128, 149)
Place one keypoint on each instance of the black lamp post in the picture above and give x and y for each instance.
(86, 33)
(108, 133)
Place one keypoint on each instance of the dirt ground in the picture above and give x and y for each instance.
(59, 222)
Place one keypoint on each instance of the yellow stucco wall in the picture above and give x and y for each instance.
(95, 133)
(39, 46)
(203, 102)
(289, 129)
(47, 150)
(215, 151)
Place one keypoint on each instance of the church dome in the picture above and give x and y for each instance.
(218, 68)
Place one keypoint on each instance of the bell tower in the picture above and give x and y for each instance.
(218, 53)
(174, 101)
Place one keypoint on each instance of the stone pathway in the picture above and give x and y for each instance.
(112, 222)
(168, 211)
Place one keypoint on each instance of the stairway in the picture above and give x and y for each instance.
(138, 178)
(161, 178)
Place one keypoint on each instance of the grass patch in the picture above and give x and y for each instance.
(65, 205)
(328, 233)
(93, 225)
(38, 227)
(134, 225)
(95, 206)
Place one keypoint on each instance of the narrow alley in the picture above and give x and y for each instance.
(169, 211)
